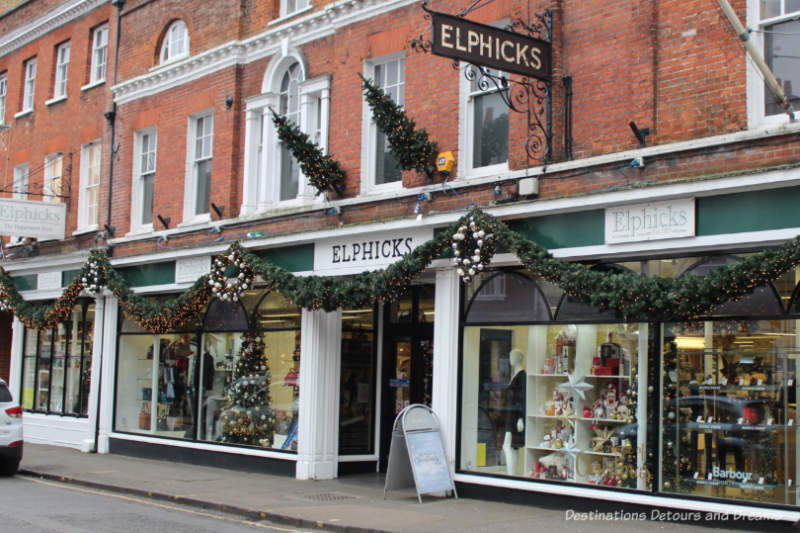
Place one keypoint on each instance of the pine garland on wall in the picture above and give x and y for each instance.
(411, 146)
(631, 296)
(323, 171)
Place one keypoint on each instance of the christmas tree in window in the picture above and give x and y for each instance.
(249, 419)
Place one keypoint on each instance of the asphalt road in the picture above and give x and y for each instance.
(37, 506)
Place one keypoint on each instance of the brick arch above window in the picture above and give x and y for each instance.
(173, 43)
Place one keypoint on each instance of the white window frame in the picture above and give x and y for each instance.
(756, 92)
(3, 96)
(466, 130)
(62, 71)
(50, 176)
(85, 222)
(29, 85)
(176, 43)
(369, 130)
(190, 215)
(99, 55)
(290, 7)
(137, 225)
(262, 147)
(19, 191)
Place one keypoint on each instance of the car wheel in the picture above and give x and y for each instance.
(9, 468)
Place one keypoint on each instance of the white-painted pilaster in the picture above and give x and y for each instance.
(88, 444)
(109, 360)
(445, 356)
(320, 370)
(15, 371)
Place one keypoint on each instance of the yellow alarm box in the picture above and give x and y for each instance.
(445, 162)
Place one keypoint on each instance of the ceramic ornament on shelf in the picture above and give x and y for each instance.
(225, 288)
(576, 386)
(473, 249)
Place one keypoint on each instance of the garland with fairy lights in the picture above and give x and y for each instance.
(628, 294)
(410, 146)
(473, 249)
(323, 171)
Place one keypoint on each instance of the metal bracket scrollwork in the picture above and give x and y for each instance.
(524, 95)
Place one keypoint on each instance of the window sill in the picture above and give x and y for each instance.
(23, 113)
(140, 231)
(55, 100)
(484, 172)
(85, 230)
(197, 220)
(93, 85)
(284, 18)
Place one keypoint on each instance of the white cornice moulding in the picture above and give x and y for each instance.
(305, 29)
(46, 23)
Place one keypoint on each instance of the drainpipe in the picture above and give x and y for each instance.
(111, 118)
(769, 77)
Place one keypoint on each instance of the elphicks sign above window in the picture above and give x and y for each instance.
(484, 45)
(647, 222)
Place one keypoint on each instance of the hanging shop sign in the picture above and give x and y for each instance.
(356, 253)
(648, 222)
(28, 218)
(479, 44)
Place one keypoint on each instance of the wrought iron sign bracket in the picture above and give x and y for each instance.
(530, 92)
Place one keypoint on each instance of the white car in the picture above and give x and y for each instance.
(10, 432)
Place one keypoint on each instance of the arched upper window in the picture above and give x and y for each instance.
(290, 108)
(176, 42)
(272, 176)
(508, 297)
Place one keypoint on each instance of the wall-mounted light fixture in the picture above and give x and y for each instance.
(228, 101)
(218, 209)
(164, 221)
(109, 230)
(641, 133)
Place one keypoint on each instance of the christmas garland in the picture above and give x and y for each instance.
(631, 296)
(410, 146)
(322, 170)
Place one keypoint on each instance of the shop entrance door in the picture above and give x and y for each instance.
(407, 358)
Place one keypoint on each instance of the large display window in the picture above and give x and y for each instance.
(357, 382)
(729, 411)
(56, 368)
(231, 379)
(546, 398)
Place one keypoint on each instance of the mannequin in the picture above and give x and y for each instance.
(514, 397)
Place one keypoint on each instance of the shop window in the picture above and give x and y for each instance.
(728, 426)
(29, 85)
(97, 73)
(197, 200)
(89, 186)
(144, 179)
(220, 381)
(176, 42)
(272, 176)
(549, 400)
(62, 69)
(379, 165)
(357, 385)
(777, 27)
(56, 367)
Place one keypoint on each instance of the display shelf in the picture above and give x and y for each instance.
(735, 484)
(730, 426)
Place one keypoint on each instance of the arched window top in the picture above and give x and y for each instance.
(571, 310)
(794, 306)
(290, 92)
(508, 297)
(762, 301)
(225, 316)
(175, 44)
(275, 312)
(293, 64)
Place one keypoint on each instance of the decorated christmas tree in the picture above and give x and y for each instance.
(249, 419)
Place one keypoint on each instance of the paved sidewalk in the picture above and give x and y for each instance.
(351, 503)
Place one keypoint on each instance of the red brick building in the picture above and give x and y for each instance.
(169, 154)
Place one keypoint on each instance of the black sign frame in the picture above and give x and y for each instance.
(480, 44)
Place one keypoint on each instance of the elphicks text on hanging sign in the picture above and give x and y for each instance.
(487, 46)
